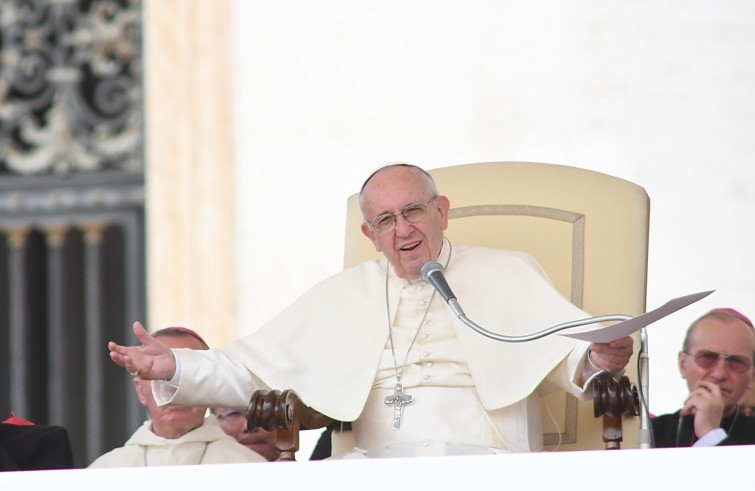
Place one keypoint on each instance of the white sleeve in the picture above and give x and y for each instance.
(571, 374)
(206, 378)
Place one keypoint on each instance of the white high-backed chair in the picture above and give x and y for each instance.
(588, 230)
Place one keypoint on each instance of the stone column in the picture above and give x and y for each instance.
(95, 352)
(189, 167)
(19, 338)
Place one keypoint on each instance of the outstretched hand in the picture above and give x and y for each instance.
(612, 356)
(150, 361)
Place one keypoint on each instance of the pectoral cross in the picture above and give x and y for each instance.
(398, 400)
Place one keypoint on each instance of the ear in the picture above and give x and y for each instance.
(681, 358)
(140, 386)
(443, 206)
(367, 231)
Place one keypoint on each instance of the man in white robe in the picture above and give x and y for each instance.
(177, 435)
(357, 341)
(207, 444)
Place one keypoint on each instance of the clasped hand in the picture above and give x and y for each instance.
(706, 404)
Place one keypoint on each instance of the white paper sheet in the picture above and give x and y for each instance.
(625, 328)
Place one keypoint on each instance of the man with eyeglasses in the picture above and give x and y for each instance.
(176, 435)
(376, 346)
(716, 361)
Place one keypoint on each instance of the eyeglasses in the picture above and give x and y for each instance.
(412, 213)
(708, 359)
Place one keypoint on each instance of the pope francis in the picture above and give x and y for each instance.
(377, 346)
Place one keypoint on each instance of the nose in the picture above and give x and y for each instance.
(403, 227)
(720, 370)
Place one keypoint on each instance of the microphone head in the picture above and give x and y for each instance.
(428, 268)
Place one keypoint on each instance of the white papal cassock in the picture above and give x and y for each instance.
(332, 347)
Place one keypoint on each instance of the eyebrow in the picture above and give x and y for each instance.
(388, 212)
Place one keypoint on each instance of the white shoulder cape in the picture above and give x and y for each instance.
(327, 344)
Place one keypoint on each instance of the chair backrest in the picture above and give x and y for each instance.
(588, 230)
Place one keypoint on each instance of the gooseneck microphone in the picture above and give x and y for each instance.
(432, 272)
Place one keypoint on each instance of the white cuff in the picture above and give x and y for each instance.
(173, 382)
(711, 439)
(589, 370)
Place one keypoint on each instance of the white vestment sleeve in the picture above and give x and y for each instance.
(569, 375)
(208, 378)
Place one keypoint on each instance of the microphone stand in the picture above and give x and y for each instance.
(530, 337)
(432, 272)
(645, 435)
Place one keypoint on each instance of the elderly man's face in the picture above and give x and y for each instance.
(171, 421)
(409, 245)
(728, 337)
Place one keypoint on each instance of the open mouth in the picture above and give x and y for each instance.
(411, 246)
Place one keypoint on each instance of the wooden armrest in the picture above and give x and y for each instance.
(612, 400)
(285, 413)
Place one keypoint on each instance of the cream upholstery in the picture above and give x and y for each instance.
(588, 230)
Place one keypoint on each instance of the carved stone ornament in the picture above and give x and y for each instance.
(70, 86)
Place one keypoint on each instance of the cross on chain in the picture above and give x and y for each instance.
(398, 400)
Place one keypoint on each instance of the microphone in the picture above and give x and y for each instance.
(432, 272)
